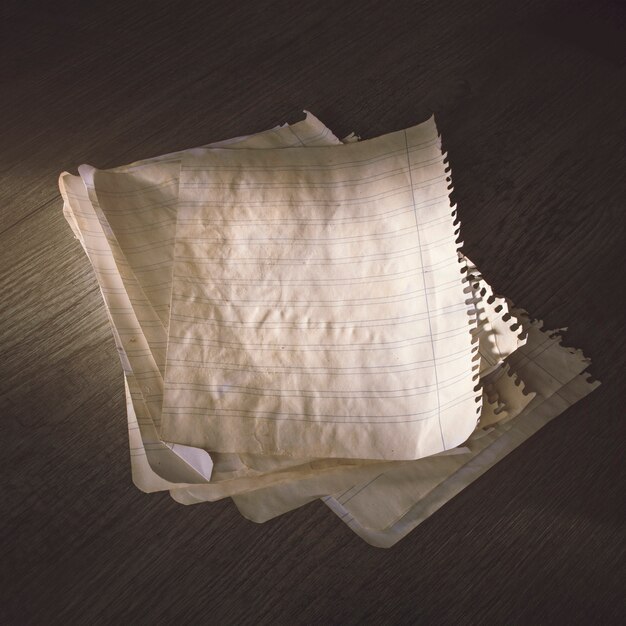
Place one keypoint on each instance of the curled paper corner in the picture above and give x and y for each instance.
(196, 458)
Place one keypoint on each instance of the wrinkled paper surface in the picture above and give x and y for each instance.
(295, 321)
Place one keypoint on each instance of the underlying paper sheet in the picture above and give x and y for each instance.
(317, 304)
(390, 503)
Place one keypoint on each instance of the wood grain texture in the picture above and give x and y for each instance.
(529, 97)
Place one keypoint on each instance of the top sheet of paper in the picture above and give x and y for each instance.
(318, 307)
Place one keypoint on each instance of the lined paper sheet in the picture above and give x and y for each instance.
(126, 219)
(317, 304)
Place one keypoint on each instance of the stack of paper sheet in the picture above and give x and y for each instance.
(295, 320)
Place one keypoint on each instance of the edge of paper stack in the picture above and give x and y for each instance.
(523, 376)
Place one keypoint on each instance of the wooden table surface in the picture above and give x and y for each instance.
(529, 97)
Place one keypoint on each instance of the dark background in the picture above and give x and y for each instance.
(529, 97)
